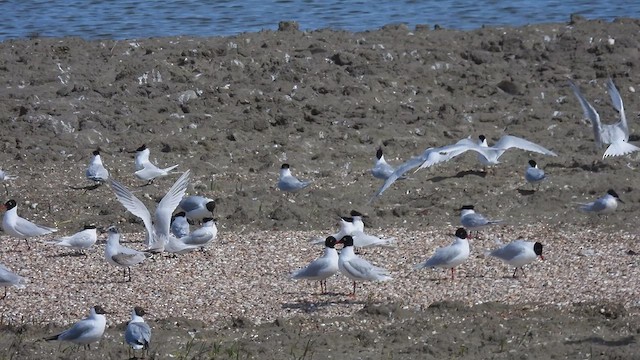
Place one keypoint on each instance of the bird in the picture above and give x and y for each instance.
(145, 169)
(4, 177)
(381, 169)
(180, 225)
(202, 236)
(605, 205)
(81, 240)
(505, 143)
(471, 220)
(119, 255)
(96, 171)
(158, 227)
(449, 257)
(321, 268)
(15, 226)
(616, 135)
(357, 268)
(534, 175)
(288, 182)
(197, 207)
(138, 333)
(354, 226)
(85, 331)
(518, 253)
(8, 278)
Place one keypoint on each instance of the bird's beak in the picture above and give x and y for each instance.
(541, 257)
(621, 201)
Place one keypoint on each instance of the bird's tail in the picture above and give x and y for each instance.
(620, 148)
(167, 170)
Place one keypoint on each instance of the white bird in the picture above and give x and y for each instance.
(158, 228)
(85, 331)
(357, 268)
(288, 182)
(202, 236)
(80, 241)
(197, 207)
(4, 177)
(119, 255)
(505, 143)
(518, 253)
(534, 175)
(449, 257)
(145, 169)
(321, 268)
(381, 169)
(8, 278)
(180, 225)
(471, 220)
(604, 205)
(138, 332)
(616, 135)
(15, 226)
(354, 226)
(96, 171)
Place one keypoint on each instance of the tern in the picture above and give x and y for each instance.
(604, 205)
(534, 175)
(8, 278)
(145, 169)
(81, 240)
(288, 182)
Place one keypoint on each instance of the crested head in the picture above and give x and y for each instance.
(207, 219)
(99, 310)
(346, 218)
(211, 205)
(95, 152)
(537, 249)
(284, 166)
(330, 242)
(139, 311)
(355, 213)
(346, 240)
(532, 163)
(180, 214)
(461, 233)
(10, 204)
(379, 153)
(467, 207)
(482, 138)
(90, 227)
(143, 147)
(613, 193)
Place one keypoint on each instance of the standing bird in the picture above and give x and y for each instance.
(8, 278)
(180, 225)
(381, 169)
(96, 171)
(474, 221)
(85, 331)
(321, 268)
(604, 205)
(450, 256)
(288, 182)
(197, 207)
(357, 268)
(518, 253)
(616, 135)
(145, 169)
(119, 255)
(15, 226)
(138, 332)
(81, 240)
(202, 236)
(534, 175)
(4, 177)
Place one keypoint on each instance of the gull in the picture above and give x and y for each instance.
(518, 253)
(96, 171)
(202, 236)
(8, 278)
(197, 207)
(449, 257)
(381, 169)
(138, 332)
(180, 225)
(616, 135)
(470, 219)
(357, 268)
(15, 226)
(604, 205)
(80, 241)
(85, 331)
(145, 169)
(533, 174)
(288, 182)
(4, 177)
(321, 268)
(158, 227)
(119, 255)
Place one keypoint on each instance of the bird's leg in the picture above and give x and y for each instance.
(6, 189)
(27, 242)
(353, 294)
(5, 293)
(515, 273)
(453, 274)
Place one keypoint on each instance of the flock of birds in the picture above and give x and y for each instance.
(168, 229)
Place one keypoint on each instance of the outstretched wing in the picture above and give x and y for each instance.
(509, 141)
(169, 203)
(134, 206)
(590, 113)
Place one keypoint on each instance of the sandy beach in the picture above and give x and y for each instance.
(233, 109)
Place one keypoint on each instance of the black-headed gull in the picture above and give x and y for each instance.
(138, 333)
(449, 257)
(321, 268)
(534, 175)
(604, 205)
(81, 240)
(518, 253)
(119, 255)
(15, 226)
(8, 278)
(357, 268)
(85, 331)
(197, 207)
(288, 182)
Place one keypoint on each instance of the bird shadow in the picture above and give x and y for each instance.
(86, 188)
(311, 306)
(525, 192)
(596, 166)
(67, 254)
(628, 340)
(459, 175)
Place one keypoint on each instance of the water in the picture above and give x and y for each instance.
(99, 19)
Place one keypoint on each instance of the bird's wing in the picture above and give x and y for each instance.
(27, 228)
(590, 113)
(134, 205)
(620, 148)
(616, 100)
(128, 258)
(198, 237)
(169, 203)
(399, 172)
(77, 330)
(510, 141)
(138, 333)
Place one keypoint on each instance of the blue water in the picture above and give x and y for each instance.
(98, 19)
